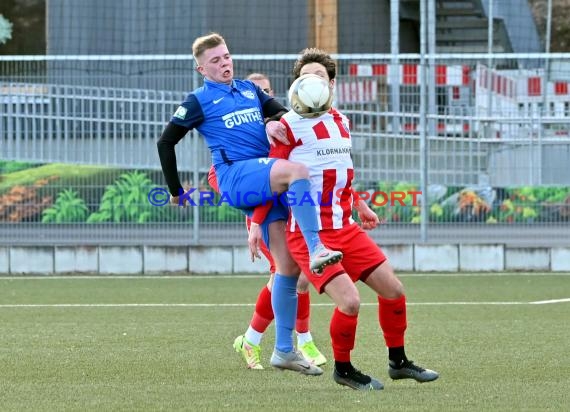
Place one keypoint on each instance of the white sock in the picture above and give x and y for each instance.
(253, 336)
(303, 338)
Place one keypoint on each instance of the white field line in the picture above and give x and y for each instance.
(546, 302)
(223, 305)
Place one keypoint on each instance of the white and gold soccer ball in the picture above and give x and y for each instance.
(310, 96)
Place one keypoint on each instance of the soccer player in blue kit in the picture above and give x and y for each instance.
(230, 115)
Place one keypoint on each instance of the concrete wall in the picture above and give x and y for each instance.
(153, 260)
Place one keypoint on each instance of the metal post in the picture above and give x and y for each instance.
(548, 27)
(544, 89)
(490, 65)
(393, 74)
(424, 158)
(432, 107)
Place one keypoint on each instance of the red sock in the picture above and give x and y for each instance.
(393, 321)
(343, 334)
(303, 312)
(263, 315)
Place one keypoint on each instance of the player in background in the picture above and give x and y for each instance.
(230, 115)
(249, 344)
(323, 144)
(262, 81)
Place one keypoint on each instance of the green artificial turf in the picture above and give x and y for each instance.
(165, 344)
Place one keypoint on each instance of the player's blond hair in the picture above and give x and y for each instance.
(203, 43)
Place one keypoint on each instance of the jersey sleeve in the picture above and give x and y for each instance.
(281, 150)
(261, 95)
(261, 211)
(189, 114)
(170, 137)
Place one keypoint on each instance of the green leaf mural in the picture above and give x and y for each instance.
(68, 208)
(125, 200)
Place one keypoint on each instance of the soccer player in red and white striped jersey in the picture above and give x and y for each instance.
(323, 145)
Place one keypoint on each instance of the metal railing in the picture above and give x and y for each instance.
(108, 111)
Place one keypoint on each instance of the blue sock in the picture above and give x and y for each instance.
(305, 213)
(284, 302)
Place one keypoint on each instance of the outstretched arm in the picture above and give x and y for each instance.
(187, 117)
(171, 135)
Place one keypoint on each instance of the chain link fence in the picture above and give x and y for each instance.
(495, 143)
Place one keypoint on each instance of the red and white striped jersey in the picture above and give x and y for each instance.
(323, 144)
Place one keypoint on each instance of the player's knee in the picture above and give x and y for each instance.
(350, 305)
(387, 284)
(288, 266)
(298, 171)
(395, 289)
(398, 288)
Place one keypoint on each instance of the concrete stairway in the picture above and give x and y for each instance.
(461, 26)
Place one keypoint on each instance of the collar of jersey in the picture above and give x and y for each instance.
(221, 86)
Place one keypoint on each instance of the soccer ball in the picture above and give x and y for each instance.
(310, 96)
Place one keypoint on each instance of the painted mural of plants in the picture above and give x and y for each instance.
(476, 204)
(69, 207)
(393, 202)
(24, 203)
(28, 191)
(528, 204)
(511, 212)
(125, 200)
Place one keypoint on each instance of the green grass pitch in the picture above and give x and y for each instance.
(165, 344)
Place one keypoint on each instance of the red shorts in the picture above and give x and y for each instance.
(361, 255)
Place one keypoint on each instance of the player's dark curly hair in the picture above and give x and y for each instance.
(314, 55)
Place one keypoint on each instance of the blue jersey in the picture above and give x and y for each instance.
(229, 117)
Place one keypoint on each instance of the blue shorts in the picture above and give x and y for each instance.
(246, 184)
